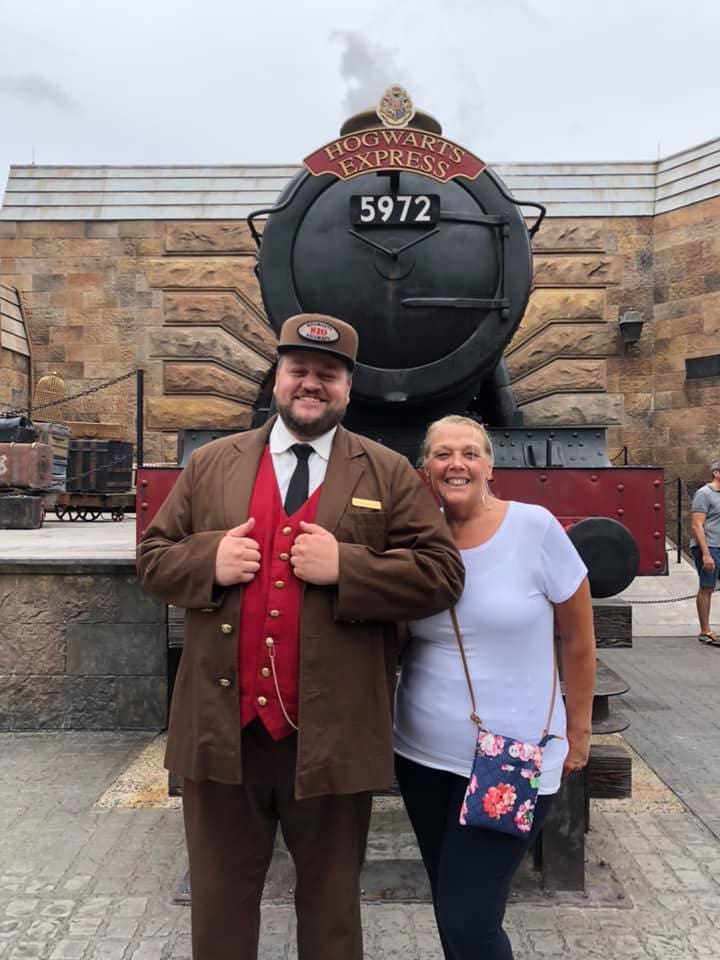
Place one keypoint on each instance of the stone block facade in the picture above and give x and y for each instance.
(181, 300)
(82, 647)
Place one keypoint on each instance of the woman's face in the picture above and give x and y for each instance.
(457, 466)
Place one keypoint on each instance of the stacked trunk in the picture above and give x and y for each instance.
(25, 473)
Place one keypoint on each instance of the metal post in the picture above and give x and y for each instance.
(679, 519)
(139, 417)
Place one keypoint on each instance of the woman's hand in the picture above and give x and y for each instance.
(578, 752)
(574, 620)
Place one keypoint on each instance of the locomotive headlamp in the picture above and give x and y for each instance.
(631, 324)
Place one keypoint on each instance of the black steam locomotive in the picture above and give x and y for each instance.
(422, 248)
(434, 273)
(414, 241)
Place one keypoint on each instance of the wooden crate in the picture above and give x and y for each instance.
(83, 430)
(102, 466)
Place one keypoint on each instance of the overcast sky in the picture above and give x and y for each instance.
(268, 81)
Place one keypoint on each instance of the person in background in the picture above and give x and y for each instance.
(294, 549)
(705, 549)
(522, 574)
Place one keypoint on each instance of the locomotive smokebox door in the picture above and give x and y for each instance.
(411, 239)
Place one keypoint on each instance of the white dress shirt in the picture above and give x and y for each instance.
(284, 460)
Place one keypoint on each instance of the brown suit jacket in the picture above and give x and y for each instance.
(397, 563)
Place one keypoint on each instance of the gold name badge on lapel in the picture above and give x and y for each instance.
(368, 504)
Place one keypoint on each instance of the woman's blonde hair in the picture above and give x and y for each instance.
(455, 420)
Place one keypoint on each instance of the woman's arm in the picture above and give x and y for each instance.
(574, 620)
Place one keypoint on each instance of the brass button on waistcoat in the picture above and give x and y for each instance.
(287, 531)
(226, 628)
(224, 682)
(265, 671)
(279, 584)
(284, 556)
(262, 701)
(274, 613)
(269, 641)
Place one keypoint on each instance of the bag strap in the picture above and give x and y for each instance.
(474, 715)
(458, 636)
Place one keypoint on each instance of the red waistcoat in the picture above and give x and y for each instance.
(271, 605)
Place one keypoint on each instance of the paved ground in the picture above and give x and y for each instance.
(666, 619)
(66, 540)
(78, 883)
(674, 708)
(82, 883)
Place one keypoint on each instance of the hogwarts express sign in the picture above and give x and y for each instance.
(381, 148)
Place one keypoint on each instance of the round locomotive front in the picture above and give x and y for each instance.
(434, 275)
(389, 279)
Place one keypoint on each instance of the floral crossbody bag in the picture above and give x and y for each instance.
(505, 778)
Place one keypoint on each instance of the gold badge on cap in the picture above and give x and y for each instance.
(319, 331)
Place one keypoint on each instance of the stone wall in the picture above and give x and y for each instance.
(81, 648)
(181, 299)
(686, 422)
(568, 362)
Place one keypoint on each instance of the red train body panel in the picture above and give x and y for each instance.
(634, 496)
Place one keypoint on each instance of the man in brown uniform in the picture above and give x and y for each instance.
(294, 549)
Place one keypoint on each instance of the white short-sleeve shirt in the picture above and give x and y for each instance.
(506, 620)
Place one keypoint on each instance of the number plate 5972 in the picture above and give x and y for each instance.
(415, 210)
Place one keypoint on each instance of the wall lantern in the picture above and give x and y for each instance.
(631, 324)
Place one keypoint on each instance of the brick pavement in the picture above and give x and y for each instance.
(84, 884)
(78, 883)
(674, 710)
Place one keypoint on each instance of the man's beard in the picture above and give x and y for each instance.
(330, 418)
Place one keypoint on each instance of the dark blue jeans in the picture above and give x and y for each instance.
(470, 869)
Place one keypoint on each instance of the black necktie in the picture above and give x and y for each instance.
(297, 492)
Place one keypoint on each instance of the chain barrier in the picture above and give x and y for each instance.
(690, 596)
(684, 485)
(623, 452)
(75, 396)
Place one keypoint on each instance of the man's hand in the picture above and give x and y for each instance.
(578, 751)
(708, 562)
(315, 556)
(238, 556)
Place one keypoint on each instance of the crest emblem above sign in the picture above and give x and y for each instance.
(396, 109)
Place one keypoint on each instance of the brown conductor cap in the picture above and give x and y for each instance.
(320, 333)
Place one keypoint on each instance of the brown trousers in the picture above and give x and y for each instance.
(230, 833)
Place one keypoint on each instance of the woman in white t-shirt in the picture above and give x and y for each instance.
(522, 573)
